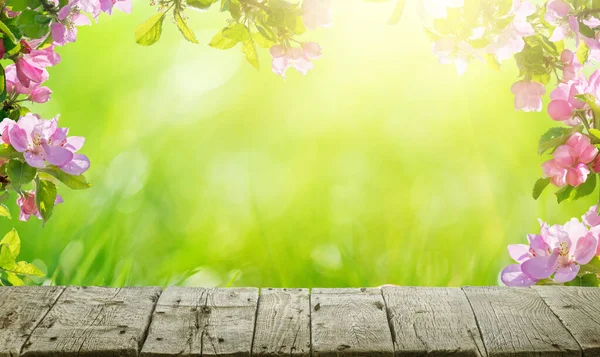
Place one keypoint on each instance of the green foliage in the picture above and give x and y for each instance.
(45, 196)
(11, 270)
(33, 24)
(19, 173)
(148, 33)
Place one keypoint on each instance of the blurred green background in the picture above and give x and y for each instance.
(381, 166)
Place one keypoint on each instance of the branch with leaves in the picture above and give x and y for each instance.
(277, 25)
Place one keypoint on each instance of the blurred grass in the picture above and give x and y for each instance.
(381, 166)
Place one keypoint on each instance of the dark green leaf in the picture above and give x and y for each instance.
(585, 30)
(31, 25)
(45, 196)
(539, 187)
(564, 193)
(19, 173)
(586, 188)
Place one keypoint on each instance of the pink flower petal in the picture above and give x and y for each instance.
(567, 273)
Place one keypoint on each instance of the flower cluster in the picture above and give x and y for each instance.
(558, 254)
(555, 40)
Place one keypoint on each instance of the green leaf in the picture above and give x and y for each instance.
(593, 266)
(31, 24)
(563, 194)
(34, 4)
(149, 32)
(19, 173)
(7, 260)
(27, 269)
(8, 32)
(251, 54)
(4, 212)
(237, 32)
(584, 280)
(397, 14)
(13, 279)
(225, 5)
(582, 53)
(183, 28)
(71, 181)
(585, 30)
(595, 132)
(12, 240)
(539, 187)
(586, 188)
(2, 85)
(8, 152)
(45, 196)
(221, 42)
(17, 5)
(201, 4)
(553, 138)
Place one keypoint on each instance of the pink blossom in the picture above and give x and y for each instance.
(510, 40)
(568, 248)
(299, 58)
(572, 67)
(43, 141)
(528, 95)
(449, 51)
(2, 49)
(558, 14)
(563, 103)
(28, 207)
(569, 165)
(591, 217)
(35, 92)
(69, 17)
(315, 13)
(31, 67)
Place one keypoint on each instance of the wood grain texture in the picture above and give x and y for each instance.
(203, 322)
(578, 308)
(22, 308)
(517, 322)
(282, 323)
(95, 322)
(435, 321)
(350, 322)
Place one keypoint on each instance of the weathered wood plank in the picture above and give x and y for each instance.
(22, 308)
(95, 322)
(282, 323)
(199, 321)
(517, 322)
(436, 321)
(350, 322)
(578, 308)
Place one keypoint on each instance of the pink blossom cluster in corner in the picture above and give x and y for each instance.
(73, 15)
(43, 143)
(571, 162)
(557, 253)
(27, 206)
